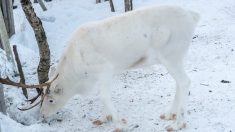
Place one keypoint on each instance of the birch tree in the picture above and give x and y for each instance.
(44, 51)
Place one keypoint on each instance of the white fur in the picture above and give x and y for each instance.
(139, 38)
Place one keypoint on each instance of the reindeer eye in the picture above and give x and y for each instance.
(51, 101)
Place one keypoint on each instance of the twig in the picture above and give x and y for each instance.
(204, 84)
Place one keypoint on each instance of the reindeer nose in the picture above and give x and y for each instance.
(43, 117)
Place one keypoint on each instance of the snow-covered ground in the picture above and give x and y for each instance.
(140, 95)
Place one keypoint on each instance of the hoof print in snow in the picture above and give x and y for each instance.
(225, 81)
(124, 121)
(136, 126)
(171, 129)
(196, 36)
(59, 120)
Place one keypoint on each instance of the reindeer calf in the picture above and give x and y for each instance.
(139, 38)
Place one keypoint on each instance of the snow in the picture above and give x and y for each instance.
(139, 95)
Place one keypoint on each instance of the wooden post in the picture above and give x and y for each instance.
(1, 46)
(42, 5)
(98, 1)
(2, 100)
(5, 41)
(19, 66)
(111, 5)
(6, 31)
(7, 11)
(131, 5)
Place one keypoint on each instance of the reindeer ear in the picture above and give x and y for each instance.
(58, 90)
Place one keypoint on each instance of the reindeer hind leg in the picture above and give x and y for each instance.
(177, 110)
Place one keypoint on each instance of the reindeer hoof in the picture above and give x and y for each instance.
(169, 116)
(109, 118)
(97, 122)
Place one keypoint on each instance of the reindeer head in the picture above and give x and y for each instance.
(53, 99)
(50, 97)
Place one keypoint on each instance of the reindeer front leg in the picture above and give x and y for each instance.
(177, 110)
(105, 96)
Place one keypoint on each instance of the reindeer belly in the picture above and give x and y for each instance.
(124, 51)
(126, 56)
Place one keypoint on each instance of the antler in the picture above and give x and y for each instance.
(8, 81)
(33, 105)
(46, 85)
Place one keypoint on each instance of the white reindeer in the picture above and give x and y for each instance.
(139, 38)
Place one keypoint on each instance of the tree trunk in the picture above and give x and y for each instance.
(35, 22)
(111, 5)
(128, 5)
(2, 100)
(98, 1)
(131, 5)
